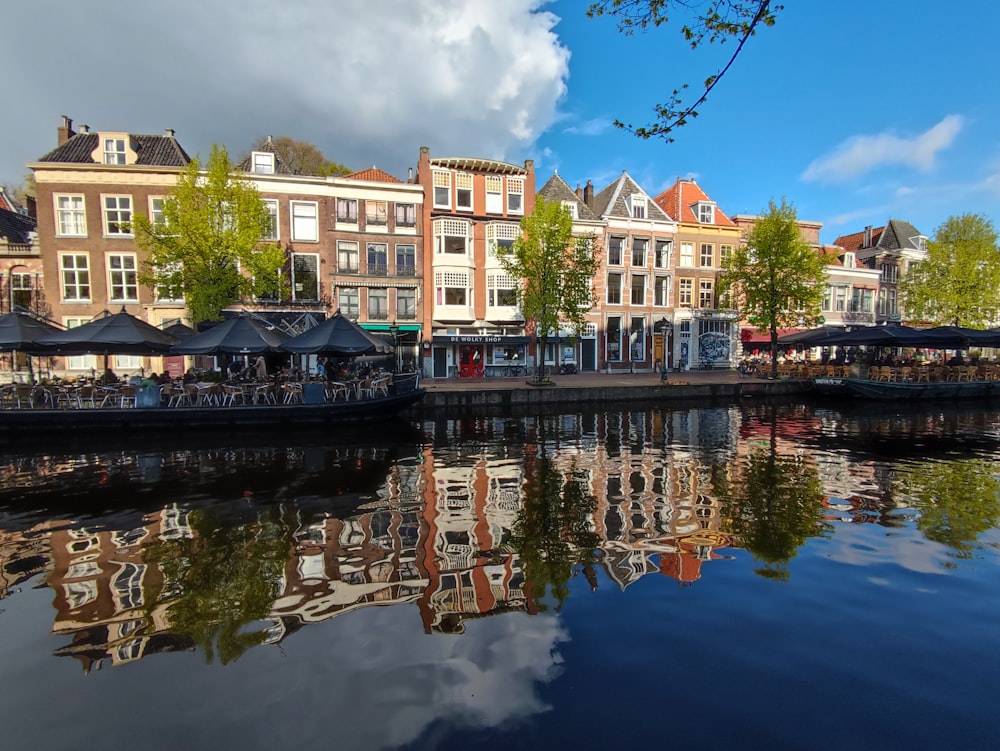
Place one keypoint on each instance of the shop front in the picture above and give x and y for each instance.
(405, 338)
(478, 356)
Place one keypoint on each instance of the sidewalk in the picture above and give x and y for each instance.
(584, 380)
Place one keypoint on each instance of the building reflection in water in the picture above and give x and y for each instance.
(235, 548)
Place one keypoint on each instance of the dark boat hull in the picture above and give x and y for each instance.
(868, 389)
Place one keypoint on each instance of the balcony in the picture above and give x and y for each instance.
(406, 315)
(378, 315)
(347, 270)
(378, 269)
(20, 249)
(406, 270)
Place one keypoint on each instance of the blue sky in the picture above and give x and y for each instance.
(856, 111)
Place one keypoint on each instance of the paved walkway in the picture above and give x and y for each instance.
(581, 380)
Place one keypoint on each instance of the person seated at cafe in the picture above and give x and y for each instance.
(957, 359)
(235, 369)
(190, 376)
(109, 377)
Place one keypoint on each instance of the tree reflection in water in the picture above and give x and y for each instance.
(957, 500)
(773, 504)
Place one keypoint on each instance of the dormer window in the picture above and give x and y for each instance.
(919, 242)
(571, 208)
(637, 206)
(849, 261)
(263, 162)
(705, 212)
(114, 151)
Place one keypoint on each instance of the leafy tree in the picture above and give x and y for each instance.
(713, 21)
(208, 247)
(775, 276)
(21, 191)
(556, 268)
(959, 283)
(300, 157)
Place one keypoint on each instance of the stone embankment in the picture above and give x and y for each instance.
(597, 388)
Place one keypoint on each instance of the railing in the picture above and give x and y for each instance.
(378, 269)
(20, 249)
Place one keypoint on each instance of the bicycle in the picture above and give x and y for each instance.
(513, 371)
(706, 364)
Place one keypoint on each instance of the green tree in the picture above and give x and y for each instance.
(208, 247)
(556, 268)
(709, 21)
(300, 157)
(959, 283)
(775, 277)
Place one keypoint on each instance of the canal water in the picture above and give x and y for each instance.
(758, 575)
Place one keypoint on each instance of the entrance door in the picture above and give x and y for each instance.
(588, 355)
(440, 362)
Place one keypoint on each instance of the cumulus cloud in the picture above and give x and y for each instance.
(860, 154)
(368, 83)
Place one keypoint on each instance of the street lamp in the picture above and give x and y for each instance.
(394, 330)
(664, 327)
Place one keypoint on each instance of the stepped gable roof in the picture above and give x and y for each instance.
(151, 151)
(680, 198)
(15, 227)
(611, 201)
(373, 175)
(556, 189)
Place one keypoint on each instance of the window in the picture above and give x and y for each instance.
(639, 247)
(305, 227)
(687, 255)
(890, 273)
(500, 290)
(170, 287)
(347, 210)
(840, 299)
(707, 255)
(661, 291)
(638, 289)
(75, 269)
(406, 304)
(494, 194)
(272, 227)
(406, 260)
(451, 236)
(725, 253)
(706, 296)
(893, 310)
(118, 216)
(114, 151)
(123, 284)
(127, 362)
(406, 215)
(637, 339)
(305, 276)
(347, 257)
(378, 259)
(156, 217)
(661, 254)
(827, 299)
(127, 585)
(500, 237)
(376, 213)
(378, 304)
(685, 291)
(862, 300)
(347, 297)
(442, 190)
(706, 213)
(21, 289)
(463, 191)
(79, 362)
(637, 206)
(614, 288)
(614, 331)
(262, 162)
(451, 288)
(515, 195)
(70, 216)
(615, 245)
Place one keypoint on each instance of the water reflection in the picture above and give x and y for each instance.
(219, 550)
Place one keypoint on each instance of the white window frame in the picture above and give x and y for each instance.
(121, 210)
(79, 362)
(400, 212)
(411, 254)
(616, 288)
(346, 249)
(706, 293)
(494, 194)
(661, 253)
(661, 291)
(501, 235)
(349, 215)
(444, 228)
(711, 255)
(376, 213)
(347, 295)
(163, 292)
(71, 217)
(262, 162)
(686, 257)
(464, 198)
(515, 195)
(637, 206)
(81, 277)
(305, 221)
(114, 151)
(452, 280)
(271, 204)
(380, 297)
(706, 213)
(297, 292)
(123, 275)
(441, 180)
(685, 291)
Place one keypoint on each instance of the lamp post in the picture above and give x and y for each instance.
(394, 330)
(664, 327)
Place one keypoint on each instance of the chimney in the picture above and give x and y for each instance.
(579, 192)
(867, 241)
(588, 194)
(168, 132)
(84, 129)
(269, 141)
(409, 174)
(65, 131)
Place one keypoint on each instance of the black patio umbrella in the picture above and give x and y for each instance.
(18, 333)
(968, 337)
(895, 336)
(109, 334)
(180, 330)
(817, 337)
(238, 336)
(337, 336)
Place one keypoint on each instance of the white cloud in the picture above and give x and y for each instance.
(369, 83)
(594, 127)
(859, 155)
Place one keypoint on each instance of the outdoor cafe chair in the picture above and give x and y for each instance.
(24, 394)
(231, 394)
(84, 396)
(292, 393)
(264, 394)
